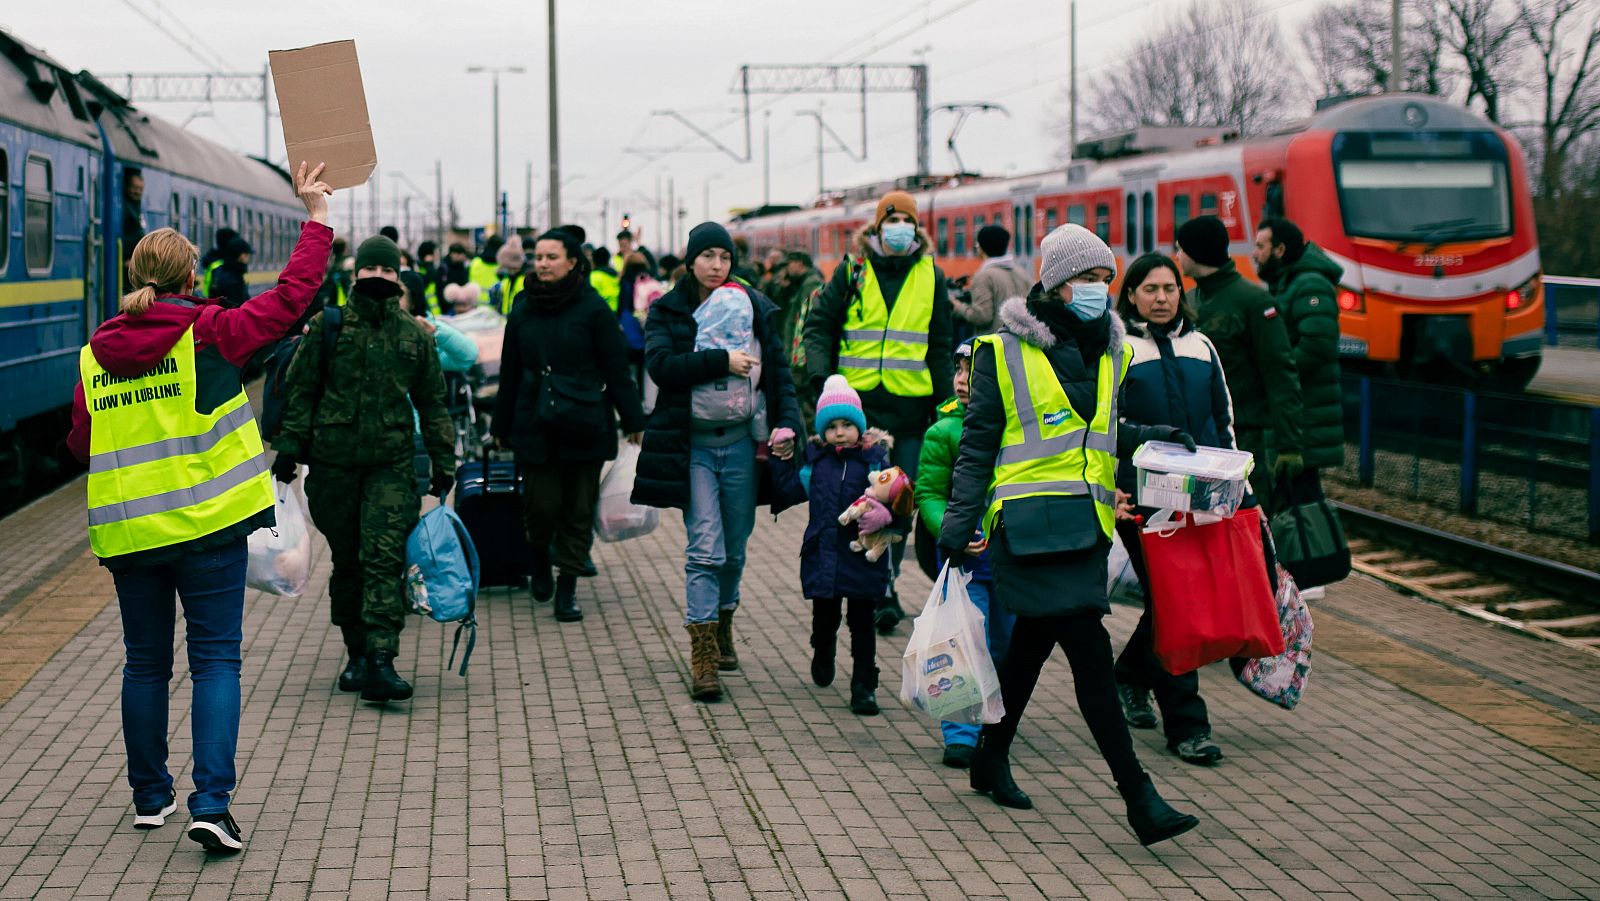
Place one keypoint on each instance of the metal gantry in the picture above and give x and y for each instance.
(202, 87)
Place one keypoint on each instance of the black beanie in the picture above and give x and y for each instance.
(1204, 240)
(994, 240)
(705, 236)
(378, 251)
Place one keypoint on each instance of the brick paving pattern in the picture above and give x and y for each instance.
(570, 764)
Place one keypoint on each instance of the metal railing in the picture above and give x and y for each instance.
(1571, 311)
(1512, 459)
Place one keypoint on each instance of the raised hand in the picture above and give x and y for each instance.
(312, 191)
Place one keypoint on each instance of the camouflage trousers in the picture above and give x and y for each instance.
(366, 514)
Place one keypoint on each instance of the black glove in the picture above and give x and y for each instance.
(441, 484)
(285, 468)
(1179, 436)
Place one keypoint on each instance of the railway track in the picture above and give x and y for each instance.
(1544, 598)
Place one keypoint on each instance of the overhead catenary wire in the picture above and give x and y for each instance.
(214, 64)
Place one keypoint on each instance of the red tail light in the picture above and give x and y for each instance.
(1514, 300)
(1350, 301)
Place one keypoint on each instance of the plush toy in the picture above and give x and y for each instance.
(888, 495)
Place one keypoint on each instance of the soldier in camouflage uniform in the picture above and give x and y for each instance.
(355, 432)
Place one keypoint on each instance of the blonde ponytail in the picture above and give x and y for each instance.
(162, 262)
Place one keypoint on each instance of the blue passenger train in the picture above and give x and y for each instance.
(72, 155)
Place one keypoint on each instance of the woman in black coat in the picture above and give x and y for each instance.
(563, 370)
(1049, 538)
(711, 474)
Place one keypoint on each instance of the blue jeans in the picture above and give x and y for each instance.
(721, 514)
(211, 586)
(998, 623)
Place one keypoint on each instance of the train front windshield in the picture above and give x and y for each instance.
(1427, 187)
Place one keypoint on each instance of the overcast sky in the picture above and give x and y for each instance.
(619, 61)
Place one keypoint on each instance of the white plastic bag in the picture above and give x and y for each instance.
(947, 672)
(280, 557)
(616, 516)
(1122, 581)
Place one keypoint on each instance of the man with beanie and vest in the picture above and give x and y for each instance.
(883, 322)
(1252, 342)
(350, 418)
(1037, 469)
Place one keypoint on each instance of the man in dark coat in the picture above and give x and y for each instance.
(228, 279)
(1245, 325)
(1302, 280)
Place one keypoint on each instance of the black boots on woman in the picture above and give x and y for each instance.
(1152, 818)
(991, 775)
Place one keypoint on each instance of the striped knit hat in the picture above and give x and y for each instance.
(839, 401)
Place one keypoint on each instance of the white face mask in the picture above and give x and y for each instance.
(1090, 301)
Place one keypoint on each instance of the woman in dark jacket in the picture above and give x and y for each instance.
(561, 332)
(1175, 377)
(1040, 448)
(711, 476)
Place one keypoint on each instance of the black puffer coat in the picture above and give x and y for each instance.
(676, 367)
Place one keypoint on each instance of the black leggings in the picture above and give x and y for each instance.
(825, 615)
(1084, 639)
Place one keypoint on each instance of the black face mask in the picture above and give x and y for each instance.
(378, 288)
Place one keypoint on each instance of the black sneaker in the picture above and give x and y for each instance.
(155, 818)
(1198, 749)
(216, 832)
(888, 615)
(958, 757)
(1136, 706)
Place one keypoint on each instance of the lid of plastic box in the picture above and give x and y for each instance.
(1205, 462)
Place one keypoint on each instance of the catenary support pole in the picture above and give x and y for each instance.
(555, 134)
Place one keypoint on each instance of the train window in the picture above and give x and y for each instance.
(1102, 221)
(1050, 220)
(1016, 231)
(1208, 204)
(1130, 231)
(175, 212)
(1148, 232)
(1075, 214)
(208, 230)
(1180, 209)
(194, 221)
(38, 217)
(1027, 225)
(961, 236)
(5, 211)
(944, 237)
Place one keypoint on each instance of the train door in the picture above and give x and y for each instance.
(94, 302)
(1139, 217)
(1022, 243)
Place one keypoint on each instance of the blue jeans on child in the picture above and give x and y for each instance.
(721, 515)
(211, 586)
(998, 623)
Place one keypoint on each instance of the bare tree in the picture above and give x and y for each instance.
(1484, 34)
(1219, 63)
(1568, 49)
(1349, 48)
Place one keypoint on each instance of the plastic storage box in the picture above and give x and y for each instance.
(1209, 480)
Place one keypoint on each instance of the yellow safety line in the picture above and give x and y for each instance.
(262, 278)
(58, 290)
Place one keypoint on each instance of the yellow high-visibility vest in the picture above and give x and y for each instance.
(607, 286)
(890, 348)
(1047, 447)
(484, 275)
(205, 280)
(510, 287)
(161, 473)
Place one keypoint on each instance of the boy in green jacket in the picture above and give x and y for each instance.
(939, 450)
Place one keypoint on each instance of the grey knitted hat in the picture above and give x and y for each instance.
(1070, 250)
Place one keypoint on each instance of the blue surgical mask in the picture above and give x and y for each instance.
(1090, 301)
(899, 236)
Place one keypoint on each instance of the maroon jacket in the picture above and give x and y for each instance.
(224, 338)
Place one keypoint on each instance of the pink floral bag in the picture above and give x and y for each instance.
(1282, 679)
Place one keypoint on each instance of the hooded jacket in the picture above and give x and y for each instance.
(940, 447)
(1249, 334)
(825, 325)
(1305, 291)
(225, 339)
(833, 478)
(1065, 584)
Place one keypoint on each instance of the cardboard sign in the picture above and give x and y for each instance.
(324, 111)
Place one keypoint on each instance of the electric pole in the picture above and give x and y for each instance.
(555, 141)
(1395, 67)
(1072, 80)
(494, 73)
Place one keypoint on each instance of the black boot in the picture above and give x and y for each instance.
(889, 613)
(355, 671)
(863, 699)
(543, 582)
(383, 683)
(863, 671)
(1152, 818)
(991, 775)
(824, 640)
(567, 610)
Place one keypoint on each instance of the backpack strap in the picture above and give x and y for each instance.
(471, 625)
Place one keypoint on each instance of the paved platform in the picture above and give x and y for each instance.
(1433, 757)
(1569, 373)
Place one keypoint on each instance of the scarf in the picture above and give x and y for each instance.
(549, 297)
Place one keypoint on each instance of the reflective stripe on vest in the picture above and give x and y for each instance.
(159, 472)
(890, 347)
(1047, 447)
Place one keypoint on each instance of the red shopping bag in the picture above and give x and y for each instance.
(1211, 597)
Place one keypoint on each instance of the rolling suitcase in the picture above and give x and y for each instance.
(489, 502)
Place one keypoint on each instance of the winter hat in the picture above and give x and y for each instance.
(378, 251)
(1071, 250)
(964, 349)
(705, 236)
(994, 240)
(510, 256)
(1204, 240)
(839, 401)
(235, 247)
(895, 202)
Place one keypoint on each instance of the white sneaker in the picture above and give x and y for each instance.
(156, 818)
(1313, 594)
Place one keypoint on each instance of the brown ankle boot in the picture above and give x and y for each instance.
(727, 657)
(703, 662)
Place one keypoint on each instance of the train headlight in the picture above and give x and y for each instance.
(1352, 301)
(1517, 297)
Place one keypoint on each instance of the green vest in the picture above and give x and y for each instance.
(159, 472)
(509, 288)
(1047, 447)
(205, 279)
(484, 275)
(607, 286)
(890, 348)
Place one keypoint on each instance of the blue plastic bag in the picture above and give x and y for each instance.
(442, 576)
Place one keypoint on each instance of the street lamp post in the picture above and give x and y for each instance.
(494, 72)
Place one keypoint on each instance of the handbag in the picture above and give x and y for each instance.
(1209, 594)
(1307, 532)
(1046, 528)
(1282, 679)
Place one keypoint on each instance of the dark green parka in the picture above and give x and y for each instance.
(1305, 292)
(1252, 342)
(383, 365)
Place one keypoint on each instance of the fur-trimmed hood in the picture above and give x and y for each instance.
(1016, 318)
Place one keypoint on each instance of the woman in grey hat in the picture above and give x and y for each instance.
(1037, 470)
